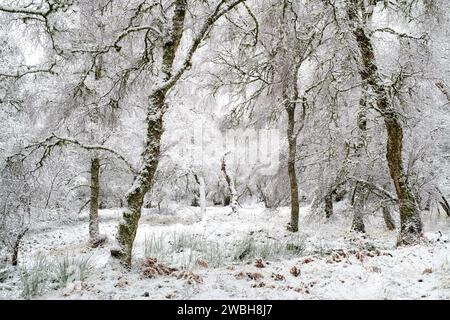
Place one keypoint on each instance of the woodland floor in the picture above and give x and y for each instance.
(330, 262)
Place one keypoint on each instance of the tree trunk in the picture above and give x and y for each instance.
(358, 195)
(390, 224)
(16, 247)
(358, 210)
(226, 200)
(358, 222)
(150, 156)
(262, 195)
(202, 196)
(410, 222)
(94, 231)
(444, 89)
(93, 208)
(231, 187)
(135, 197)
(443, 202)
(329, 204)
(155, 112)
(292, 141)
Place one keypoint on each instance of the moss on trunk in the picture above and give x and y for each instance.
(292, 141)
(388, 220)
(328, 204)
(93, 203)
(410, 222)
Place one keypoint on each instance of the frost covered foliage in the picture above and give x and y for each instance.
(185, 249)
(29, 199)
(41, 274)
(72, 268)
(249, 248)
(117, 110)
(34, 278)
(16, 205)
(190, 250)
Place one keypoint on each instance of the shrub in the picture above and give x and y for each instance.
(185, 249)
(73, 268)
(33, 278)
(248, 248)
(155, 247)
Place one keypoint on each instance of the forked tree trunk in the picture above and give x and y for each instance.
(292, 141)
(155, 111)
(94, 232)
(135, 197)
(410, 222)
(150, 155)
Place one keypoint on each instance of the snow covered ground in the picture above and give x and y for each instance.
(245, 256)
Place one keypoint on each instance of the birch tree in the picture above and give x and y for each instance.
(411, 224)
(167, 77)
(267, 71)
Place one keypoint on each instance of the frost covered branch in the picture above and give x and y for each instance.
(380, 191)
(49, 143)
(218, 12)
(400, 34)
(19, 10)
(444, 89)
(19, 74)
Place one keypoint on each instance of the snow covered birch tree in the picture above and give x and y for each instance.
(411, 224)
(157, 106)
(230, 184)
(268, 71)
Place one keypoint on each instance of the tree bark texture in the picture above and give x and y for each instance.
(410, 221)
(93, 203)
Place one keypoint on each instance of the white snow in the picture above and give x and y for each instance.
(335, 264)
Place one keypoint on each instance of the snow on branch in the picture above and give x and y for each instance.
(41, 15)
(115, 44)
(18, 10)
(49, 143)
(400, 34)
(218, 12)
(20, 74)
(378, 190)
(444, 89)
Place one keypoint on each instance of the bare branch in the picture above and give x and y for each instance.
(54, 141)
(380, 191)
(399, 34)
(218, 12)
(18, 10)
(20, 74)
(444, 89)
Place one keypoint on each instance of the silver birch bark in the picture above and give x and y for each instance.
(155, 112)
